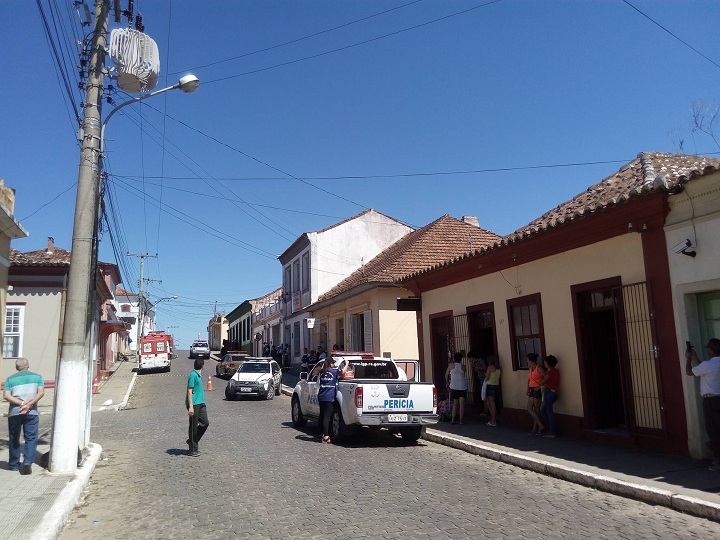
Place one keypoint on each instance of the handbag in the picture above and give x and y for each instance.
(483, 390)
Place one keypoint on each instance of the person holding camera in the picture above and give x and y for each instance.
(709, 373)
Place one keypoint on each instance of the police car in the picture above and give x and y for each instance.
(256, 377)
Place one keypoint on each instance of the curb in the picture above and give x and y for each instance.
(125, 400)
(54, 519)
(646, 494)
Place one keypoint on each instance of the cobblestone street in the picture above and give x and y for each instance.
(259, 477)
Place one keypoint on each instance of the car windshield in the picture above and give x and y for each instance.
(236, 358)
(254, 367)
(200, 344)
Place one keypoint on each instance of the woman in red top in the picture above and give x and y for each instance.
(534, 392)
(551, 382)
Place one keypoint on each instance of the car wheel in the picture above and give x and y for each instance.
(411, 434)
(338, 428)
(277, 390)
(298, 419)
(167, 369)
(271, 392)
(228, 394)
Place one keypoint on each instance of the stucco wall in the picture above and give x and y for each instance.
(342, 249)
(552, 277)
(40, 330)
(694, 215)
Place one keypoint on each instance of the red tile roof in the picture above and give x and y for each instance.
(650, 172)
(40, 257)
(443, 239)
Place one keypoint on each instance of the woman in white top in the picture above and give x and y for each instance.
(458, 386)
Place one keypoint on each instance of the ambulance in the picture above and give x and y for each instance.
(156, 351)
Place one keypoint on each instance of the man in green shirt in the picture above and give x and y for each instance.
(197, 412)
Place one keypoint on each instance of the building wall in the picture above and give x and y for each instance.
(694, 215)
(552, 277)
(40, 338)
(393, 332)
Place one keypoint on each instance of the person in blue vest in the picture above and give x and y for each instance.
(197, 412)
(326, 394)
(23, 390)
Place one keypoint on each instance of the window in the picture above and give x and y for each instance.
(125, 308)
(296, 277)
(296, 339)
(286, 281)
(12, 341)
(360, 327)
(340, 333)
(526, 328)
(305, 271)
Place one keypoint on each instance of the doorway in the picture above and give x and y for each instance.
(600, 359)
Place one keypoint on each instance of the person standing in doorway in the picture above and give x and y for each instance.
(550, 384)
(534, 392)
(23, 390)
(197, 411)
(458, 386)
(709, 373)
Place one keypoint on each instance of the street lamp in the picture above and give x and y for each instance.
(71, 420)
(188, 84)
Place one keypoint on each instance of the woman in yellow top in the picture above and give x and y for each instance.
(492, 376)
(534, 392)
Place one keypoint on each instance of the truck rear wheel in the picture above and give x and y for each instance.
(298, 419)
(411, 434)
(338, 428)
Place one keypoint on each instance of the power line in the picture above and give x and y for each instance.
(326, 31)
(353, 45)
(672, 34)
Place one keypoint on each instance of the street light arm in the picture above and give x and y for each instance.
(188, 83)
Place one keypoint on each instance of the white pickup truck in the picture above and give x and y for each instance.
(375, 393)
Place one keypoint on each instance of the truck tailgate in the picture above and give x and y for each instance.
(397, 396)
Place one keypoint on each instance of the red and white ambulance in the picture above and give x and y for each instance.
(156, 351)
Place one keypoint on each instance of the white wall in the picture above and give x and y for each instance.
(695, 215)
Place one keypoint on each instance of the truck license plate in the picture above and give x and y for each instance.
(245, 389)
(397, 417)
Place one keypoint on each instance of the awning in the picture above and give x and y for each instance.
(110, 327)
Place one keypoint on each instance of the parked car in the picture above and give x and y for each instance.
(229, 363)
(199, 349)
(255, 377)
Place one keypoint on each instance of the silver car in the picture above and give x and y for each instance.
(256, 377)
(199, 349)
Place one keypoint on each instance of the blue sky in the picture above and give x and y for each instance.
(310, 112)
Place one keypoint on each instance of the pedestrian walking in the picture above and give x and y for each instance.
(23, 390)
(197, 411)
(550, 384)
(709, 373)
(458, 386)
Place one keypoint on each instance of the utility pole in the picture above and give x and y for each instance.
(142, 256)
(73, 378)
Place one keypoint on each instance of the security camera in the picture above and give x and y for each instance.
(682, 248)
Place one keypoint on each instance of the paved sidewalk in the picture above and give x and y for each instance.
(36, 506)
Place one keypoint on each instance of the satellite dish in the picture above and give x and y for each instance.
(137, 58)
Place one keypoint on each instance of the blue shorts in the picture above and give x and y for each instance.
(491, 390)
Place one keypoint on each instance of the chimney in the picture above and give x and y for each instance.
(51, 246)
(471, 220)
